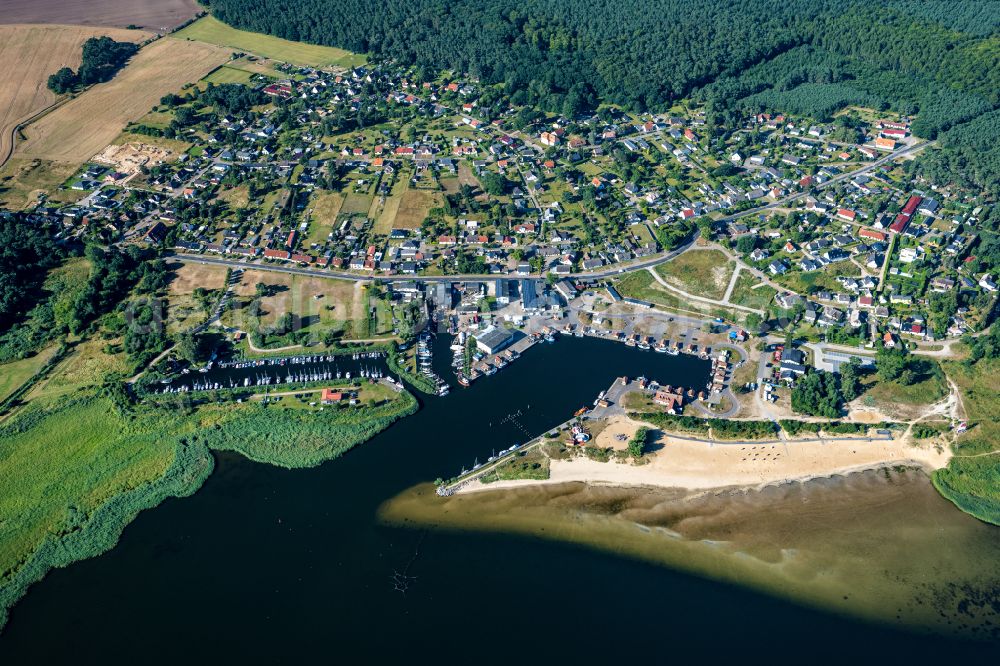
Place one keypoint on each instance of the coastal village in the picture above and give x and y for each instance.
(343, 235)
(506, 227)
(737, 314)
(435, 180)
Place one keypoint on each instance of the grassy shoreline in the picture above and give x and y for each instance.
(94, 466)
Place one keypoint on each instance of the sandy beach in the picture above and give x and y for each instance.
(696, 465)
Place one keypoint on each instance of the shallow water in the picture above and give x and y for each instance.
(881, 545)
(283, 566)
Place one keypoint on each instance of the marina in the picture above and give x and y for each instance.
(266, 372)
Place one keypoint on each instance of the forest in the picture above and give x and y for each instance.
(934, 58)
(27, 252)
(645, 54)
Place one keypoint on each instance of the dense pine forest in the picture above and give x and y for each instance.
(938, 58)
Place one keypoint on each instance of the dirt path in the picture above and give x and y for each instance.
(700, 299)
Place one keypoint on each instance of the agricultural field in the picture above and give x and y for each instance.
(31, 53)
(155, 15)
(79, 129)
(213, 31)
(701, 272)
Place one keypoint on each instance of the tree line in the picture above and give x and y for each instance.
(102, 58)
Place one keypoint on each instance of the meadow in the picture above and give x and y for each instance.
(320, 305)
(16, 373)
(213, 31)
(701, 272)
(972, 478)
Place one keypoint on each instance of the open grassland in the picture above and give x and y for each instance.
(319, 305)
(79, 129)
(413, 208)
(236, 197)
(226, 74)
(745, 293)
(87, 366)
(213, 31)
(150, 14)
(356, 202)
(324, 207)
(30, 53)
(700, 272)
(16, 373)
(641, 285)
(184, 310)
(972, 478)
(384, 211)
(23, 181)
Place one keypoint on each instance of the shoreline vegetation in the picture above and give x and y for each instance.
(96, 461)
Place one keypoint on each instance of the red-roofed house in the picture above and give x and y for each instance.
(329, 396)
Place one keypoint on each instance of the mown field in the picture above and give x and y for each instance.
(76, 131)
(31, 53)
(212, 31)
(413, 208)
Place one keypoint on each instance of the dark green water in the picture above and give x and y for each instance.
(265, 565)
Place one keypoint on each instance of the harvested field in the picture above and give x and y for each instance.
(156, 15)
(79, 129)
(30, 54)
(213, 31)
(413, 208)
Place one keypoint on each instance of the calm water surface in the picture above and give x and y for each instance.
(265, 565)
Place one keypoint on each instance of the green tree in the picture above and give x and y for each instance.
(890, 363)
(638, 443)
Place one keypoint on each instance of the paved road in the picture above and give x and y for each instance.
(780, 203)
(344, 275)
